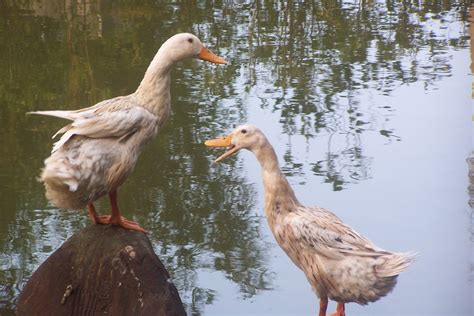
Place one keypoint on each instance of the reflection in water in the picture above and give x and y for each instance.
(306, 64)
(29, 241)
(470, 162)
(315, 58)
(348, 162)
(470, 159)
(198, 231)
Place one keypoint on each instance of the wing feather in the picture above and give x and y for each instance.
(324, 233)
(117, 118)
(119, 124)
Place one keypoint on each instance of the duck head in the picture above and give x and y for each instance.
(186, 45)
(243, 137)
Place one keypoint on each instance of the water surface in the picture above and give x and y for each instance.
(366, 102)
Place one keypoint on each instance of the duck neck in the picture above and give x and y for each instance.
(154, 90)
(279, 196)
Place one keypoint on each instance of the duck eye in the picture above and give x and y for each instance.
(244, 131)
(190, 40)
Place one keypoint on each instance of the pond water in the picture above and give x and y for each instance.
(367, 103)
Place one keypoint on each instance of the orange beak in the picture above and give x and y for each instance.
(207, 55)
(223, 142)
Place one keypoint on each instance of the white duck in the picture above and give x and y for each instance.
(339, 263)
(99, 149)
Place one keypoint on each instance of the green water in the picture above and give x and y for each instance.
(366, 102)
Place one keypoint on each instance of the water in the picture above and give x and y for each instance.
(366, 103)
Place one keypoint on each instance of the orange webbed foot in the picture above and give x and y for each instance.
(125, 223)
(122, 222)
(103, 219)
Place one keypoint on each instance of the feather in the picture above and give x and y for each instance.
(68, 115)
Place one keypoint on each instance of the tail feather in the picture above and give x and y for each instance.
(396, 264)
(62, 130)
(68, 115)
(66, 136)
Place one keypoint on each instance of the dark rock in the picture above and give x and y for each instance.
(101, 270)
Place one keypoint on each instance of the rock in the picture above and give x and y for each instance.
(101, 270)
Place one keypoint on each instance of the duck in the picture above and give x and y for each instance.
(99, 148)
(339, 263)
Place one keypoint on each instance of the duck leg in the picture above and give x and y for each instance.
(117, 219)
(323, 305)
(340, 310)
(96, 219)
(107, 219)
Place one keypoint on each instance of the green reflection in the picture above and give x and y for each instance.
(307, 63)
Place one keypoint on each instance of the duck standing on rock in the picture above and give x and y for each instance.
(339, 263)
(99, 149)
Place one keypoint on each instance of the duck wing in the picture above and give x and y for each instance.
(322, 232)
(117, 118)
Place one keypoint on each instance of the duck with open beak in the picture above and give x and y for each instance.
(225, 141)
(316, 240)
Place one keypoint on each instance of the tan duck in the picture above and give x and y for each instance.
(99, 149)
(339, 263)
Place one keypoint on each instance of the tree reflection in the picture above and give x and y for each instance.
(305, 62)
(317, 57)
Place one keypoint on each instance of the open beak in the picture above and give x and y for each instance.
(207, 55)
(223, 142)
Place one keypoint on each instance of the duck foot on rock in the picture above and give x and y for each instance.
(115, 218)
